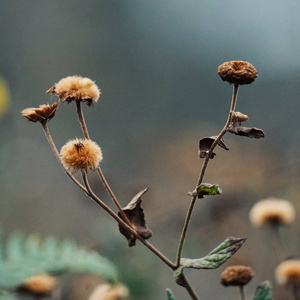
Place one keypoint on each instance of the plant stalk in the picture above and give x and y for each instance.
(92, 195)
(202, 173)
(101, 175)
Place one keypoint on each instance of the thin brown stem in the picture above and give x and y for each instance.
(92, 195)
(81, 119)
(242, 292)
(113, 197)
(52, 145)
(202, 173)
(101, 175)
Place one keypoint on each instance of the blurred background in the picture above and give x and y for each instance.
(155, 63)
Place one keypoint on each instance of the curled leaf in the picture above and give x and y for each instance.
(263, 291)
(205, 145)
(136, 216)
(213, 260)
(206, 189)
(247, 131)
(170, 295)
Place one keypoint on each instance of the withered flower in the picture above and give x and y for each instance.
(76, 88)
(41, 114)
(40, 284)
(288, 273)
(81, 155)
(272, 211)
(236, 275)
(238, 72)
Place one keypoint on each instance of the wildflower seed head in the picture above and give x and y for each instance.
(238, 72)
(42, 114)
(236, 275)
(40, 284)
(76, 88)
(288, 273)
(81, 155)
(272, 211)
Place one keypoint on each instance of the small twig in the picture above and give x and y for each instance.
(52, 145)
(92, 195)
(202, 173)
(101, 175)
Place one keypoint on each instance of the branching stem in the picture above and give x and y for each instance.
(202, 173)
(101, 175)
(92, 195)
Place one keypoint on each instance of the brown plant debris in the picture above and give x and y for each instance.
(136, 216)
(205, 145)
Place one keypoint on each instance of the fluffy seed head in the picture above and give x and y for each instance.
(272, 211)
(236, 275)
(76, 88)
(239, 72)
(42, 114)
(109, 292)
(40, 284)
(81, 155)
(288, 273)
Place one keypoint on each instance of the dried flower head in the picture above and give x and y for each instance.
(239, 72)
(40, 284)
(76, 88)
(81, 155)
(272, 211)
(42, 114)
(236, 275)
(288, 272)
(109, 292)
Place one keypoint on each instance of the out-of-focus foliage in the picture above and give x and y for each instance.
(4, 96)
(23, 257)
(264, 291)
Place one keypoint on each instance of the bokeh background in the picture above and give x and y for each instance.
(155, 62)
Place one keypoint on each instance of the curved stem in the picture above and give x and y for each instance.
(189, 287)
(101, 175)
(92, 195)
(202, 173)
(113, 197)
(52, 145)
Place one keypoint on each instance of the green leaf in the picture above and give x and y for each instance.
(170, 295)
(25, 257)
(263, 291)
(213, 260)
(206, 189)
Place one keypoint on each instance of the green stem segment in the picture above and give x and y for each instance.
(202, 173)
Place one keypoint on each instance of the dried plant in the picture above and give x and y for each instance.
(81, 155)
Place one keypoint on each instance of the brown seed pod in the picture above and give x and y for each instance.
(236, 275)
